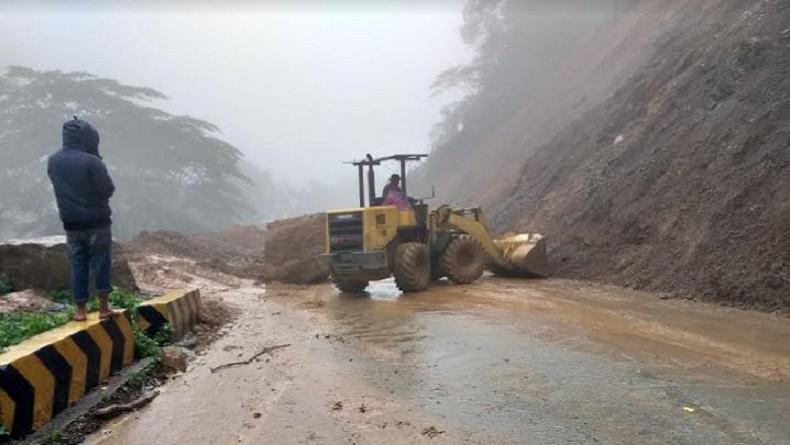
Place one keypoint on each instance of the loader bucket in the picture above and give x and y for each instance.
(521, 254)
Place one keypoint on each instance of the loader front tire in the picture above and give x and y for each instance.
(463, 260)
(412, 267)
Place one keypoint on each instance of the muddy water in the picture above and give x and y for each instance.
(503, 370)
(538, 362)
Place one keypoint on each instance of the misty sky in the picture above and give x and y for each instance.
(297, 87)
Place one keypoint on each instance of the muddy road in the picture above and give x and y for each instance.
(502, 361)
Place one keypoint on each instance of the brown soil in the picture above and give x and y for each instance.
(680, 182)
(214, 315)
(237, 251)
(292, 249)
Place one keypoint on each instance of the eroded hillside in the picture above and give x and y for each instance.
(657, 157)
(680, 181)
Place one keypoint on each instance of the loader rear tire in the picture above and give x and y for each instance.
(463, 260)
(350, 286)
(412, 267)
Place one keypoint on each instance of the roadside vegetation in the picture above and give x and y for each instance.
(16, 327)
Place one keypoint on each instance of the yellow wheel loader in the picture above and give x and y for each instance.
(417, 245)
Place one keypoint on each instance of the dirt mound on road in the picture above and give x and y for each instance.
(237, 251)
(292, 249)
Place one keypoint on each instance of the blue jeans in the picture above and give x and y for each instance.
(90, 251)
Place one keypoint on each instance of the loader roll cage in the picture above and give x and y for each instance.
(370, 162)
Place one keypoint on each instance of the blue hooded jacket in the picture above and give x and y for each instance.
(82, 185)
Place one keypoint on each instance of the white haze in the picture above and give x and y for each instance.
(297, 88)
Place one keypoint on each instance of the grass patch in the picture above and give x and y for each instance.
(145, 346)
(19, 326)
(119, 299)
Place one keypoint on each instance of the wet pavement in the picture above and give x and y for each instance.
(502, 361)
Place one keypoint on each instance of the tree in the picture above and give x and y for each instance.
(171, 172)
(517, 44)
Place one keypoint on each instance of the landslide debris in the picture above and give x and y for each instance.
(237, 251)
(680, 182)
(292, 249)
(42, 264)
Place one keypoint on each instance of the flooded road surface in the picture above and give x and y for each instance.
(502, 361)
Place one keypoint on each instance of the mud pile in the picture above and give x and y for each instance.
(292, 249)
(42, 263)
(237, 251)
(680, 182)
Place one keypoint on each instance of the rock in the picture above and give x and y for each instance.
(174, 359)
(26, 300)
(42, 263)
(292, 248)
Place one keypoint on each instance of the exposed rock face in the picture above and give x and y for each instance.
(42, 263)
(292, 249)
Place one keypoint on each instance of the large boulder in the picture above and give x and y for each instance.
(42, 263)
(292, 248)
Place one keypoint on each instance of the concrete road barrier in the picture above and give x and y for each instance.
(180, 309)
(45, 374)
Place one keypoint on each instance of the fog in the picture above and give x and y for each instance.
(298, 87)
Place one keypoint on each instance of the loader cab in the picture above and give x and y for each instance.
(366, 167)
(416, 215)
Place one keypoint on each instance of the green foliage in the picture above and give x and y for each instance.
(139, 379)
(18, 326)
(5, 285)
(124, 299)
(171, 172)
(121, 299)
(61, 296)
(145, 346)
(165, 335)
(56, 438)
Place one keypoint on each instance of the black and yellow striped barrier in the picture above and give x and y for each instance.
(45, 374)
(178, 308)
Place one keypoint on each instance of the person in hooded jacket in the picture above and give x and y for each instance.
(83, 188)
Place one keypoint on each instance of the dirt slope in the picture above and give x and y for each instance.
(588, 75)
(679, 182)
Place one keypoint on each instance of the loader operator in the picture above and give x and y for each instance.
(393, 195)
(393, 184)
